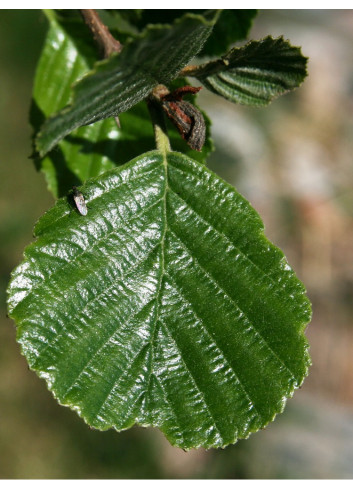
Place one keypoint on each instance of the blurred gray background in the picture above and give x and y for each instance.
(293, 161)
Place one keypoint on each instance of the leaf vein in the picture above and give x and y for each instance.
(119, 378)
(202, 394)
(202, 322)
(225, 237)
(105, 292)
(87, 250)
(169, 402)
(226, 295)
(128, 181)
(101, 347)
(162, 244)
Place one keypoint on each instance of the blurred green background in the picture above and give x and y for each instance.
(293, 161)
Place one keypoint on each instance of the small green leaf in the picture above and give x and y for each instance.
(256, 73)
(122, 81)
(89, 150)
(164, 306)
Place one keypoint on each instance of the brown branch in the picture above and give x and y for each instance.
(106, 42)
(189, 70)
(206, 69)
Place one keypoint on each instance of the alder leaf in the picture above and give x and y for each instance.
(256, 73)
(165, 306)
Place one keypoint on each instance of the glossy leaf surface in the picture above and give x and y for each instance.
(89, 150)
(256, 73)
(122, 81)
(165, 305)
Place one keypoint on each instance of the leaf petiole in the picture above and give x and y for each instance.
(159, 127)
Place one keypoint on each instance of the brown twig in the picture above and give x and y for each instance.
(189, 70)
(206, 69)
(106, 42)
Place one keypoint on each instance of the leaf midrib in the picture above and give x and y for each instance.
(162, 272)
(154, 332)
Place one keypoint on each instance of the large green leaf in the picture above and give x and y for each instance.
(117, 84)
(256, 73)
(165, 305)
(90, 150)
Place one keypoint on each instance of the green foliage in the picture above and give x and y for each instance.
(119, 83)
(165, 305)
(256, 73)
(92, 149)
(178, 312)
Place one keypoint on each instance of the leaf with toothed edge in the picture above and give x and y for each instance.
(165, 306)
(256, 73)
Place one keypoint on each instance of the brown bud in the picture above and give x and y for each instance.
(188, 120)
